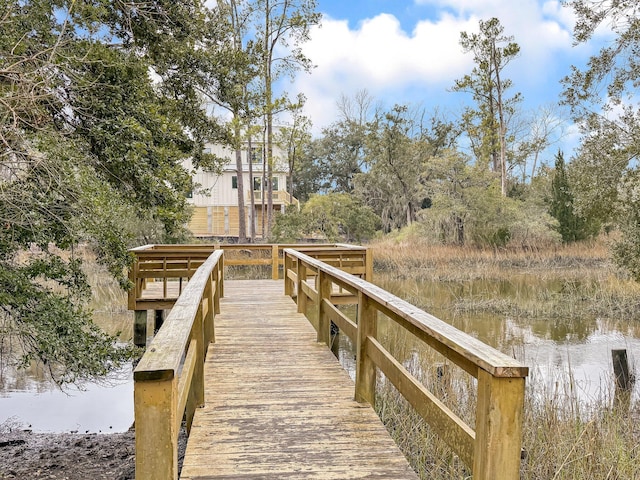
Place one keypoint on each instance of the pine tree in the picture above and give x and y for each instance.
(571, 226)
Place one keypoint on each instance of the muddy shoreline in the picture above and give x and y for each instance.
(70, 456)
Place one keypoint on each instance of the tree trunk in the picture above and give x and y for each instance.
(252, 228)
(242, 214)
(459, 232)
(502, 126)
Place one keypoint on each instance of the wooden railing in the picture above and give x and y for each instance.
(279, 197)
(169, 379)
(177, 263)
(493, 449)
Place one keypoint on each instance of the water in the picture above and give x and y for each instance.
(28, 399)
(567, 357)
(37, 405)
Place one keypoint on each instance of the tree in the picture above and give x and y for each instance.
(309, 173)
(487, 126)
(293, 139)
(334, 216)
(532, 136)
(91, 144)
(281, 24)
(604, 103)
(571, 226)
(235, 66)
(398, 148)
(392, 184)
(341, 151)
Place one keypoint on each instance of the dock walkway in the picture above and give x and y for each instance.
(278, 405)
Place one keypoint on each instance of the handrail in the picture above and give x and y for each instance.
(179, 262)
(169, 379)
(493, 449)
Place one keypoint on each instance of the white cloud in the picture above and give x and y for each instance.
(378, 55)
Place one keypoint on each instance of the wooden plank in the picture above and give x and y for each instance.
(344, 323)
(498, 427)
(278, 405)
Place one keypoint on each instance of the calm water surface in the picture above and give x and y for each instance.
(28, 400)
(566, 358)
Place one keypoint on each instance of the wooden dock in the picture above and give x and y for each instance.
(274, 402)
(278, 404)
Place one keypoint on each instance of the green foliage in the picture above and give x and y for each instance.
(604, 102)
(99, 106)
(289, 227)
(626, 251)
(398, 152)
(571, 226)
(53, 327)
(334, 217)
(309, 173)
(339, 216)
(468, 208)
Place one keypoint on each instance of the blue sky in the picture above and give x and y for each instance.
(407, 51)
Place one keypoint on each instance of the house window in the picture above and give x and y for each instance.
(234, 182)
(257, 184)
(256, 154)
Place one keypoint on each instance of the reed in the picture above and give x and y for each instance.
(563, 438)
(577, 280)
(565, 435)
(411, 258)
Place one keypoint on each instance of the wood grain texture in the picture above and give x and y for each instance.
(278, 405)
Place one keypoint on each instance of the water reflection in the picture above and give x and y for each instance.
(29, 400)
(30, 403)
(567, 356)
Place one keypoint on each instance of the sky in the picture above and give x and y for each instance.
(408, 52)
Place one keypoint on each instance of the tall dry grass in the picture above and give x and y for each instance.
(589, 285)
(564, 437)
(411, 258)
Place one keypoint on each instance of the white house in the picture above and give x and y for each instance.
(215, 200)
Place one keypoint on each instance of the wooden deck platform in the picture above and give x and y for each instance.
(278, 404)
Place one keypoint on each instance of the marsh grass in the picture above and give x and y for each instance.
(604, 298)
(585, 283)
(414, 258)
(565, 436)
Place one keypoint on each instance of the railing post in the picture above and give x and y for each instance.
(220, 268)
(155, 404)
(368, 264)
(365, 368)
(140, 328)
(198, 375)
(274, 262)
(302, 297)
(323, 286)
(134, 292)
(498, 427)
(209, 332)
(195, 397)
(217, 293)
(288, 283)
